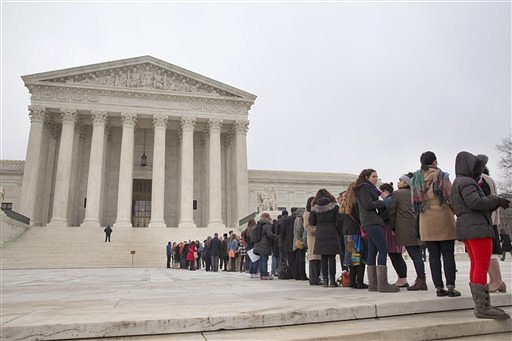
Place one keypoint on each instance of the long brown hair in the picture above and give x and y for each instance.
(322, 193)
(308, 204)
(350, 199)
(364, 175)
(250, 225)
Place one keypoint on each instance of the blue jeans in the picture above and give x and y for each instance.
(446, 248)
(263, 265)
(376, 244)
(415, 254)
(253, 269)
(274, 265)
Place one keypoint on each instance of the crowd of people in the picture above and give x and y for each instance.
(365, 225)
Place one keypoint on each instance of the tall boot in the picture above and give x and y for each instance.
(496, 283)
(372, 278)
(360, 277)
(420, 284)
(382, 280)
(352, 275)
(483, 307)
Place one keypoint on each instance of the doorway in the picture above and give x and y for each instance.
(141, 204)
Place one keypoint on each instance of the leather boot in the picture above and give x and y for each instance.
(496, 283)
(372, 278)
(483, 307)
(360, 277)
(420, 284)
(352, 275)
(382, 280)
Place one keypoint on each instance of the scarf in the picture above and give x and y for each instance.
(440, 185)
(374, 188)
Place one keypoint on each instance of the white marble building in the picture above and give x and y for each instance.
(143, 143)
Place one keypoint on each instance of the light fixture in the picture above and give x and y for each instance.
(144, 158)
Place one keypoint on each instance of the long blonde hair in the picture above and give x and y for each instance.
(350, 199)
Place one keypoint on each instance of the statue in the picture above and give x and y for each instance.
(2, 195)
(267, 200)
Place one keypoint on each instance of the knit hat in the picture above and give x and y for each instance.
(266, 216)
(427, 158)
(405, 179)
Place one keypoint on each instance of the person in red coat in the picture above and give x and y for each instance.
(191, 258)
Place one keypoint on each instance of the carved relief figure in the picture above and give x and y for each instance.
(158, 80)
(147, 78)
(134, 79)
(110, 79)
(121, 80)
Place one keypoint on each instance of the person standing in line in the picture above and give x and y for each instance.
(232, 252)
(280, 242)
(506, 245)
(207, 257)
(275, 247)
(324, 214)
(243, 254)
(168, 251)
(314, 259)
(430, 193)
(224, 258)
(403, 222)
(253, 266)
(474, 227)
(286, 235)
(263, 247)
(108, 232)
(192, 256)
(370, 206)
(300, 253)
(200, 250)
(215, 249)
(395, 249)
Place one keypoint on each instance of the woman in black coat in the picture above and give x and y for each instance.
(324, 215)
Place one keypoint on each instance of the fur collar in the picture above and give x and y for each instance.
(324, 208)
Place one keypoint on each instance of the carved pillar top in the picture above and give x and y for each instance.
(37, 114)
(160, 121)
(214, 125)
(99, 118)
(241, 127)
(129, 119)
(188, 123)
(69, 116)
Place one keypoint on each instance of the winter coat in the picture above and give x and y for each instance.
(472, 207)
(369, 205)
(298, 228)
(264, 245)
(437, 223)
(506, 246)
(224, 247)
(402, 218)
(495, 215)
(168, 250)
(215, 246)
(311, 237)
(324, 216)
(286, 232)
(190, 255)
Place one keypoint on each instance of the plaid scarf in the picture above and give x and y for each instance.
(440, 185)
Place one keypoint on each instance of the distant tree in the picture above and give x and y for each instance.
(505, 149)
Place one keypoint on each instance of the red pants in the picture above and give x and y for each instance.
(479, 251)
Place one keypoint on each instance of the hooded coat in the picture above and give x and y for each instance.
(324, 217)
(472, 207)
(264, 245)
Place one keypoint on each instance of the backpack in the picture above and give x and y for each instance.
(284, 272)
(256, 233)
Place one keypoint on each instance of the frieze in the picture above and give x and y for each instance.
(143, 76)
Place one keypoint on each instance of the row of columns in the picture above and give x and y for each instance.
(124, 204)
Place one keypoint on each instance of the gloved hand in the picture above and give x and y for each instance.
(502, 202)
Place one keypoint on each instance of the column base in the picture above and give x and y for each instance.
(58, 222)
(216, 225)
(157, 223)
(123, 223)
(90, 223)
(187, 224)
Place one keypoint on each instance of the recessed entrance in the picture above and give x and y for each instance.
(141, 204)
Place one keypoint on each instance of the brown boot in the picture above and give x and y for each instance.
(382, 280)
(372, 278)
(483, 307)
(496, 283)
(419, 284)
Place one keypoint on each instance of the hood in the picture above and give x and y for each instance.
(469, 165)
(323, 204)
(299, 212)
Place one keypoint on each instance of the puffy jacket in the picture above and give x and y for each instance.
(324, 215)
(469, 203)
(264, 245)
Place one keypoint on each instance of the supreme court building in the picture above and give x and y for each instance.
(143, 143)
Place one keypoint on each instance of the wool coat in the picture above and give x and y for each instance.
(402, 218)
(369, 204)
(215, 246)
(263, 247)
(286, 232)
(472, 207)
(437, 223)
(311, 237)
(324, 215)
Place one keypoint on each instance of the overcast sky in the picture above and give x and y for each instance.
(341, 86)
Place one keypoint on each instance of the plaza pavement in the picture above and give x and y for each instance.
(168, 304)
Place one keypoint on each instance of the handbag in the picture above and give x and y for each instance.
(195, 255)
(299, 244)
(231, 253)
(363, 233)
(344, 279)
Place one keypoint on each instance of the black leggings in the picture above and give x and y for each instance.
(398, 264)
(329, 268)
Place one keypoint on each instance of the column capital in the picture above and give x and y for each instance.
(241, 127)
(69, 116)
(188, 123)
(214, 125)
(129, 119)
(160, 121)
(37, 114)
(99, 118)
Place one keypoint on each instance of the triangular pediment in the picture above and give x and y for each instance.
(142, 73)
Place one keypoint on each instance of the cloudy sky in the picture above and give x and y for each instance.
(341, 86)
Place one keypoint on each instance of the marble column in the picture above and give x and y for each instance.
(242, 178)
(125, 189)
(187, 172)
(94, 180)
(31, 174)
(64, 163)
(215, 186)
(158, 183)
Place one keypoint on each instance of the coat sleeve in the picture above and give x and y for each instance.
(311, 229)
(268, 232)
(392, 212)
(472, 198)
(367, 201)
(312, 219)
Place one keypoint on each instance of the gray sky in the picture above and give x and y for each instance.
(340, 86)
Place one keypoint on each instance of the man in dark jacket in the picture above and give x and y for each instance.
(168, 251)
(215, 246)
(224, 258)
(286, 235)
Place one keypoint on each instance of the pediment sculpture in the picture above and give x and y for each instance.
(267, 200)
